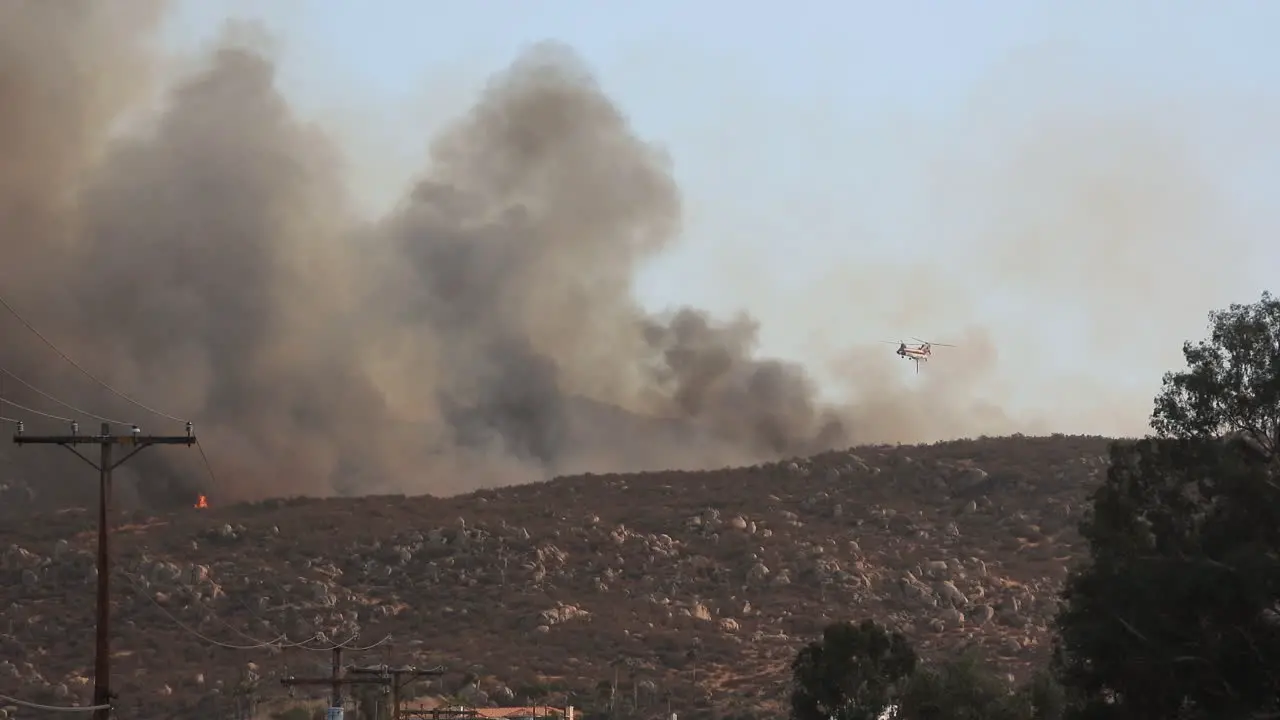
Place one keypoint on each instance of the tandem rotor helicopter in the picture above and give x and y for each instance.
(919, 353)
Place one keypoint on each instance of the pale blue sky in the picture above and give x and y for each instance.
(831, 145)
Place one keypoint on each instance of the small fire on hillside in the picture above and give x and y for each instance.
(202, 503)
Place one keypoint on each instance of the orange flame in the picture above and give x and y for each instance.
(202, 502)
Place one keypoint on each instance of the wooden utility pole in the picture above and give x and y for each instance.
(397, 679)
(335, 697)
(337, 680)
(136, 442)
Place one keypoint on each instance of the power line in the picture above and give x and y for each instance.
(280, 642)
(287, 644)
(258, 644)
(55, 400)
(77, 366)
(10, 420)
(207, 466)
(53, 708)
(33, 411)
(347, 645)
(283, 642)
(344, 645)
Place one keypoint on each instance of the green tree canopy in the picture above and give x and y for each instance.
(959, 689)
(853, 673)
(1232, 380)
(1175, 615)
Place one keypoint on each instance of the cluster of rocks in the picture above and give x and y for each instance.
(20, 566)
(695, 579)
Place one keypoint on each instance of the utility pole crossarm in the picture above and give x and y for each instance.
(293, 681)
(24, 439)
(411, 672)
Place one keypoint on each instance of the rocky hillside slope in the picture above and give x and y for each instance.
(690, 587)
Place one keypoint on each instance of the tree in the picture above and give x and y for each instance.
(853, 673)
(1174, 616)
(959, 689)
(1042, 698)
(1177, 612)
(1232, 380)
(964, 688)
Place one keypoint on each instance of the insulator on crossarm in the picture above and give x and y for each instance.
(75, 428)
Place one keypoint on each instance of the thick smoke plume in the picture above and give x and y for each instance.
(209, 263)
(484, 332)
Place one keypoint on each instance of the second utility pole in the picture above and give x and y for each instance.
(336, 681)
(106, 441)
(397, 679)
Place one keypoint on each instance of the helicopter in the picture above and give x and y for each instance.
(919, 353)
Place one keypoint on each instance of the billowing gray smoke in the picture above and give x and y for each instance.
(204, 256)
(484, 332)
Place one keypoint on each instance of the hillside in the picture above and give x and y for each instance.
(697, 586)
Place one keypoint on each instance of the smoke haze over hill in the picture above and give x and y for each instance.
(485, 330)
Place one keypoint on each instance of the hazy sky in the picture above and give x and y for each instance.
(837, 144)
